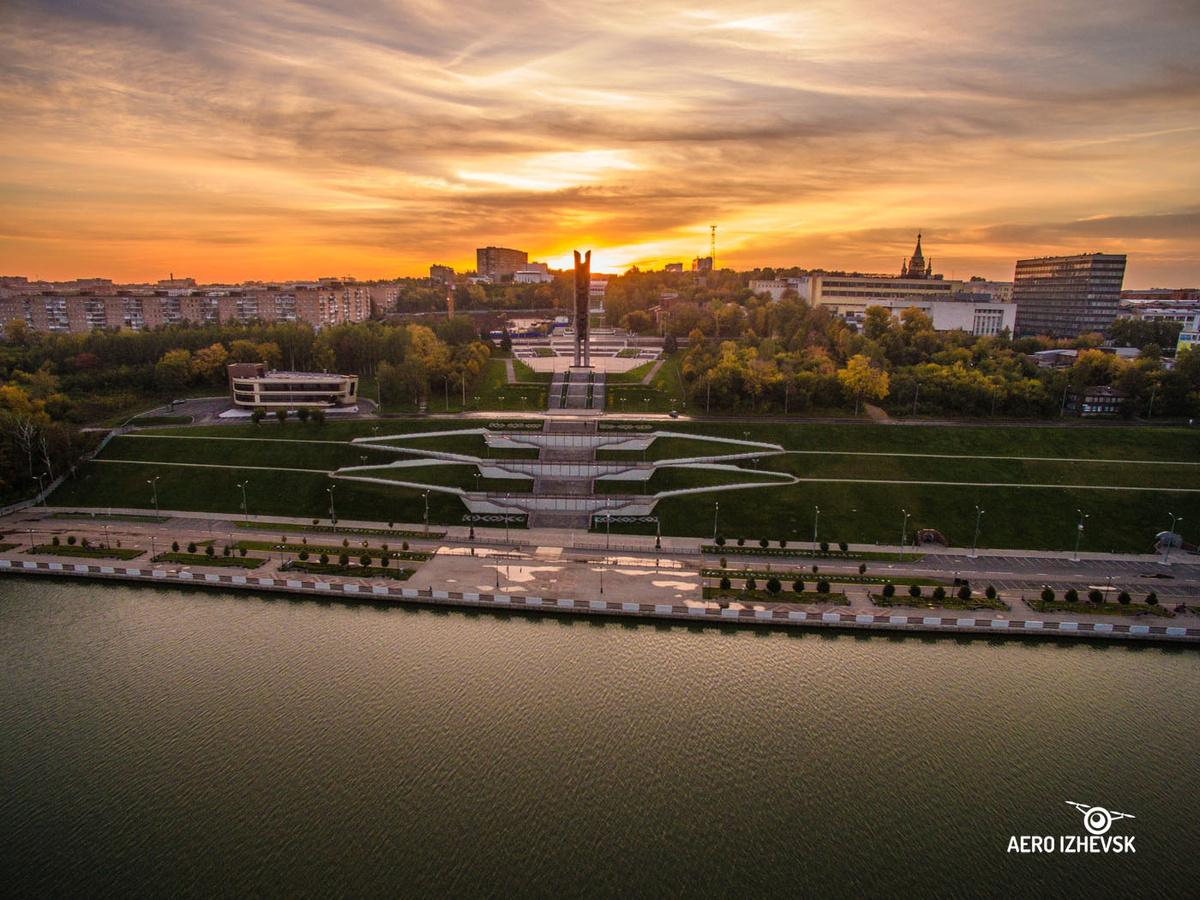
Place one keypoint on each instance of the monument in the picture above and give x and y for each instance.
(583, 280)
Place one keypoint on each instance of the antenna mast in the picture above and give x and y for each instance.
(713, 249)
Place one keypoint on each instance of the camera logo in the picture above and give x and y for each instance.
(1096, 819)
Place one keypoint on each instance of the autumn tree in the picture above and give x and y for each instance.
(863, 380)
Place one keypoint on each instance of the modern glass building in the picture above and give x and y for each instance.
(1066, 296)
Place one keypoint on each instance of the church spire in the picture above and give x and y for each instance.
(916, 266)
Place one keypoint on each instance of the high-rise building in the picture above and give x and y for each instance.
(498, 263)
(1066, 296)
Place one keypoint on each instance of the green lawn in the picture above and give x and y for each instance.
(93, 552)
(268, 493)
(1024, 518)
(203, 559)
(1052, 442)
(741, 595)
(523, 372)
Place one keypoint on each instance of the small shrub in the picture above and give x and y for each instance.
(862, 568)
(964, 593)
(798, 586)
(990, 592)
(241, 551)
(383, 561)
(816, 569)
(889, 590)
(174, 546)
(843, 546)
(725, 583)
(824, 546)
(118, 545)
(1096, 596)
(1123, 598)
(404, 546)
(302, 413)
(192, 547)
(302, 555)
(343, 559)
(1152, 599)
(1071, 595)
(258, 415)
(85, 543)
(783, 545)
(281, 415)
(1048, 594)
(345, 542)
(324, 559)
(741, 542)
(773, 585)
(316, 521)
(384, 547)
(318, 416)
(304, 541)
(939, 593)
(210, 551)
(764, 543)
(822, 587)
(228, 551)
(724, 563)
(70, 540)
(720, 541)
(364, 560)
(55, 541)
(914, 590)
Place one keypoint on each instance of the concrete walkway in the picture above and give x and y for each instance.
(653, 371)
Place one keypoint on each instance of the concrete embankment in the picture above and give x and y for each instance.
(352, 591)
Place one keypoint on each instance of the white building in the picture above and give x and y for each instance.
(778, 286)
(982, 318)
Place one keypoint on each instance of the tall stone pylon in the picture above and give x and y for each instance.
(583, 284)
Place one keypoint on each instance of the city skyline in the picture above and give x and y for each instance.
(280, 140)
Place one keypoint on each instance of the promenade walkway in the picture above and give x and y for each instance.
(572, 571)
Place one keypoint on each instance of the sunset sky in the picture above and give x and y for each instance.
(275, 139)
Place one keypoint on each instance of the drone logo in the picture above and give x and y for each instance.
(1096, 819)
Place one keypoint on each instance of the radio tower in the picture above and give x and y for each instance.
(713, 249)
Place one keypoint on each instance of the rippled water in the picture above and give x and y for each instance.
(161, 743)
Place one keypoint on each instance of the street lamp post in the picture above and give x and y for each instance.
(506, 518)
(154, 487)
(1171, 538)
(332, 508)
(607, 530)
(153, 550)
(426, 496)
(975, 543)
(246, 506)
(716, 516)
(816, 519)
(1079, 533)
(107, 545)
(903, 533)
(41, 490)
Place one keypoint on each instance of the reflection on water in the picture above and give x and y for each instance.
(158, 742)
